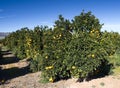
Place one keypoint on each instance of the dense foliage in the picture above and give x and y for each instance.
(0, 53)
(74, 48)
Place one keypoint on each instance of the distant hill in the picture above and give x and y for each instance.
(3, 34)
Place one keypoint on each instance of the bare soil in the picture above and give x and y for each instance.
(32, 81)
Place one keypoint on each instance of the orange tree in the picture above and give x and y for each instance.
(25, 43)
(63, 24)
(55, 42)
(85, 56)
(110, 41)
(85, 53)
(20, 48)
(28, 43)
(86, 22)
(15, 42)
(77, 53)
(10, 40)
(37, 47)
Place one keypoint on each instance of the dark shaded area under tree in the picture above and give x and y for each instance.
(10, 73)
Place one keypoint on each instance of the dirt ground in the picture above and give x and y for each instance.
(31, 80)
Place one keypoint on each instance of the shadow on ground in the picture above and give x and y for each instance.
(10, 73)
(14, 72)
(8, 59)
(103, 71)
(6, 52)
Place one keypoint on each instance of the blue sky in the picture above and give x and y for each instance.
(16, 14)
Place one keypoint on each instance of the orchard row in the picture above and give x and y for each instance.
(75, 48)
